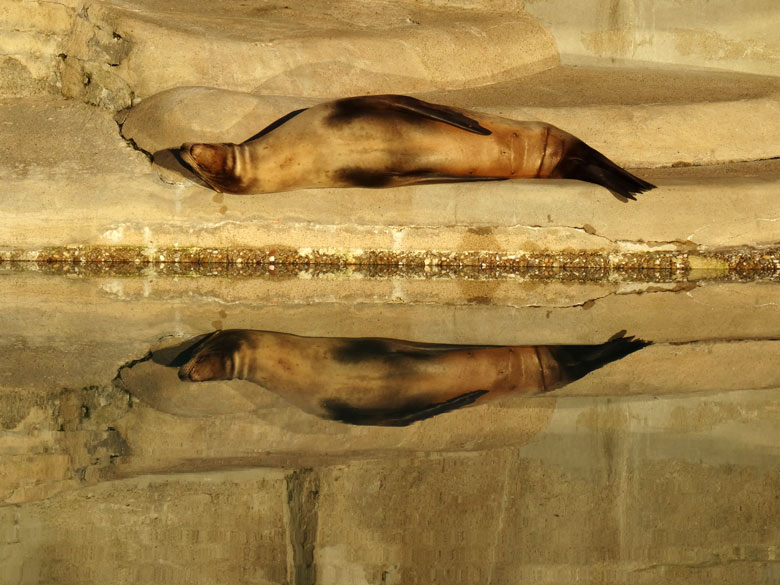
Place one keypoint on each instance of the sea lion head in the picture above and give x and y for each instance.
(216, 358)
(217, 164)
(207, 366)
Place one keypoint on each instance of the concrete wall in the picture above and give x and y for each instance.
(32, 36)
(739, 36)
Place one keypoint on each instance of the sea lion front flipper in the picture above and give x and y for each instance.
(431, 177)
(350, 108)
(359, 177)
(396, 417)
(361, 349)
(275, 125)
(436, 112)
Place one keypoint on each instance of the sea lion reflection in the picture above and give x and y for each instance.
(389, 382)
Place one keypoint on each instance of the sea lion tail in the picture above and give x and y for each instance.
(579, 360)
(587, 164)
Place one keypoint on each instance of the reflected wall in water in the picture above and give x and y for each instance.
(658, 467)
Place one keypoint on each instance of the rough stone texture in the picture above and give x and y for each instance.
(33, 34)
(225, 527)
(612, 491)
(121, 51)
(65, 398)
(698, 33)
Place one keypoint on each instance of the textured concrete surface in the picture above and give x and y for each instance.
(113, 52)
(166, 528)
(699, 33)
(121, 51)
(32, 36)
(604, 498)
(66, 383)
(90, 188)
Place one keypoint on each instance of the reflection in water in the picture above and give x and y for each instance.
(660, 468)
(387, 382)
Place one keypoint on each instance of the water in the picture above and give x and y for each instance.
(662, 466)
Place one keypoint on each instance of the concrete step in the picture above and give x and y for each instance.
(121, 50)
(638, 116)
(89, 189)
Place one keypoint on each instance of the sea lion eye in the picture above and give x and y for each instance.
(210, 366)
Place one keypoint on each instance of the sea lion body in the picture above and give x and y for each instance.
(384, 381)
(389, 141)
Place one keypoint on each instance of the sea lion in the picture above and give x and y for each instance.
(388, 382)
(394, 140)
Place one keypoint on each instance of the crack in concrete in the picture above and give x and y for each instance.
(501, 518)
(303, 487)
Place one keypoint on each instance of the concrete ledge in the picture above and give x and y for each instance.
(700, 33)
(90, 188)
(639, 117)
(121, 51)
(247, 516)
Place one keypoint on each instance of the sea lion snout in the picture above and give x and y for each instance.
(214, 163)
(205, 367)
(207, 157)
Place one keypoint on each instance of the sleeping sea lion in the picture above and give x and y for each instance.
(388, 382)
(394, 140)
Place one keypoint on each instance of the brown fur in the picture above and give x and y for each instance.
(388, 381)
(390, 141)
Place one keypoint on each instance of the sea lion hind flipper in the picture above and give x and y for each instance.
(579, 360)
(396, 417)
(584, 163)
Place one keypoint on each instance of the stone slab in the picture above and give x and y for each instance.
(658, 116)
(611, 491)
(32, 35)
(121, 51)
(99, 191)
(225, 527)
(700, 33)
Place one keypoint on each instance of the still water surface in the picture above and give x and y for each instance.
(389, 429)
